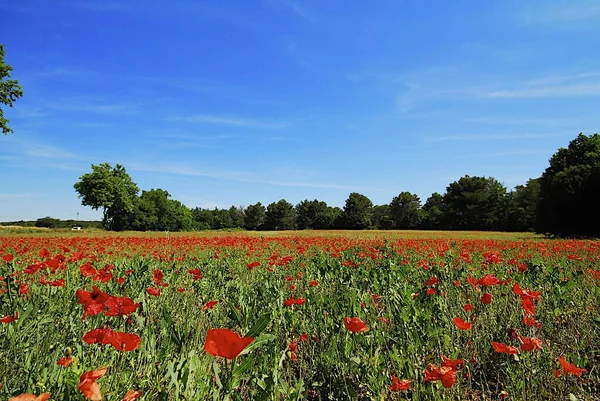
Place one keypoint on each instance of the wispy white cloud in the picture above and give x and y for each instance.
(21, 195)
(84, 104)
(494, 136)
(195, 201)
(230, 121)
(502, 120)
(236, 176)
(452, 83)
(48, 152)
(557, 91)
(297, 9)
(560, 11)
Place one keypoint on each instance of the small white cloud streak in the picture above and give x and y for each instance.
(230, 121)
(574, 90)
(19, 195)
(237, 176)
(297, 9)
(491, 137)
(561, 11)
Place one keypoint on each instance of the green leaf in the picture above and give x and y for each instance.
(243, 367)
(260, 325)
(258, 342)
(217, 372)
(234, 313)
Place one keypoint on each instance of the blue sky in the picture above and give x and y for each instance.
(234, 102)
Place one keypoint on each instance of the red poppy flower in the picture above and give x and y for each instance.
(304, 337)
(65, 361)
(7, 258)
(88, 386)
(293, 301)
(23, 289)
(225, 343)
(432, 281)
(196, 274)
(120, 306)
(489, 280)
(87, 270)
(445, 374)
(527, 298)
(44, 253)
(473, 282)
(355, 325)
(252, 265)
(10, 318)
(153, 291)
(453, 363)
(486, 299)
(313, 283)
(98, 336)
(461, 324)
(93, 302)
(209, 305)
(468, 307)
(31, 397)
(430, 291)
(504, 349)
(125, 341)
(400, 385)
(529, 344)
(570, 368)
(530, 321)
(132, 395)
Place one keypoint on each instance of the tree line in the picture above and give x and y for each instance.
(562, 201)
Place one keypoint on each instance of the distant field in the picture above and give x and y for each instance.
(392, 234)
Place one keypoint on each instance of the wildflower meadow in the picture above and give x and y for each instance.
(323, 316)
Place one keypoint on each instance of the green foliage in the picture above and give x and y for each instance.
(111, 189)
(155, 211)
(569, 189)
(433, 211)
(475, 203)
(280, 216)
(405, 210)
(381, 217)
(254, 216)
(10, 91)
(357, 212)
(523, 203)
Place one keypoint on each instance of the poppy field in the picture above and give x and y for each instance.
(298, 317)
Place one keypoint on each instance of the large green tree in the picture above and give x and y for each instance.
(280, 215)
(523, 201)
(310, 213)
(433, 211)
(570, 190)
(254, 216)
(10, 91)
(112, 190)
(157, 212)
(381, 217)
(475, 203)
(357, 212)
(405, 210)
